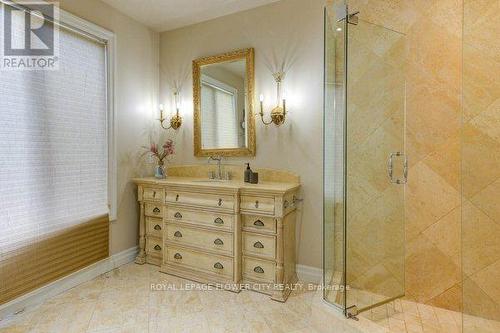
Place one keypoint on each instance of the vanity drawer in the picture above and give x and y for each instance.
(154, 226)
(259, 245)
(200, 261)
(259, 223)
(153, 194)
(220, 221)
(154, 246)
(257, 204)
(221, 242)
(201, 200)
(258, 269)
(153, 210)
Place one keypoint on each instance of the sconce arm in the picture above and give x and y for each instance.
(175, 121)
(263, 121)
(278, 115)
(162, 120)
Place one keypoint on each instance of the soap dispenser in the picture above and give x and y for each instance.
(248, 173)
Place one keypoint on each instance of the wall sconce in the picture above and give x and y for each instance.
(175, 121)
(278, 114)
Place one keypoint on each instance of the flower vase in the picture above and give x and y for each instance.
(160, 172)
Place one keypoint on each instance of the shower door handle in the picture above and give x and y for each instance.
(390, 168)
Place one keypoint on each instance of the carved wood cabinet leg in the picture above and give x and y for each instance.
(280, 270)
(237, 251)
(141, 257)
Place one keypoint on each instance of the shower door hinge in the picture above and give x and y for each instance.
(342, 12)
(353, 18)
(352, 312)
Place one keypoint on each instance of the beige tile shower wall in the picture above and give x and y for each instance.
(287, 32)
(433, 74)
(481, 160)
(376, 100)
(136, 82)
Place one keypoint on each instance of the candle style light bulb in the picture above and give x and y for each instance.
(177, 101)
(261, 98)
(161, 113)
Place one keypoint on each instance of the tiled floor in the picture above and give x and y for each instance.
(122, 301)
(403, 316)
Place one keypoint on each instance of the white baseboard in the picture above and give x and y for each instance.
(309, 273)
(54, 288)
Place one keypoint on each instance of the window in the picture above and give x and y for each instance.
(57, 152)
(219, 113)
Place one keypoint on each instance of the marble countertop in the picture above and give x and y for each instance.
(230, 184)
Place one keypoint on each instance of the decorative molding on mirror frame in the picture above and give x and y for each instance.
(250, 150)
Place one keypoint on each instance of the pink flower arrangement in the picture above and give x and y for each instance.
(168, 149)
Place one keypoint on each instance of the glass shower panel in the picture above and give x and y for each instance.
(334, 122)
(375, 165)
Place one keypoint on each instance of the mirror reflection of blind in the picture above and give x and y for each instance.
(219, 118)
(53, 167)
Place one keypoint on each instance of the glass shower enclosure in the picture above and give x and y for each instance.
(365, 165)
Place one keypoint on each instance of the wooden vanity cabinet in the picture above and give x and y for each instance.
(268, 241)
(230, 234)
(152, 206)
(202, 234)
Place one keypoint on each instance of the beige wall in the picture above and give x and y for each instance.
(289, 32)
(136, 97)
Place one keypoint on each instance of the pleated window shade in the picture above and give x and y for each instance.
(220, 123)
(53, 167)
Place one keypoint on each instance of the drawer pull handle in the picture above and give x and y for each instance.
(256, 203)
(156, 210)
(259, 270)
(218, 265)
(219, 221)
(178, 234)
(258, 223)
(157, 227)
(177, 256)
(218, 241)
(220, 202)
(258, 245)
(178, 215)
(177, 197)
(157, 247)
(154, 194)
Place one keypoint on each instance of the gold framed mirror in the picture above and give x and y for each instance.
(223, 95)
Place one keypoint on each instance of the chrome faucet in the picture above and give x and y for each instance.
(217, 158)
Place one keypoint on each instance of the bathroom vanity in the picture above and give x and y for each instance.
(222, 232)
